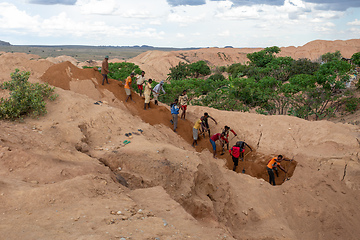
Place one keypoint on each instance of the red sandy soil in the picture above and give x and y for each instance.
(68, 175)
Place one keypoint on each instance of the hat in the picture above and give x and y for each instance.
(132, 73)
(106, 56)
(162, 82)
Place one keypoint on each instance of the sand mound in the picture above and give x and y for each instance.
(61, 59)
(71, 175)
(24, 62)
(62, 74)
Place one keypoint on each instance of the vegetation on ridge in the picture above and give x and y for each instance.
(25, 98)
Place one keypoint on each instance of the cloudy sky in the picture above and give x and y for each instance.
(178, 23)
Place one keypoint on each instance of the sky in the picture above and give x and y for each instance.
(178, 23)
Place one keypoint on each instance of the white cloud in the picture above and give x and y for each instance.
(88, 7)
(225, 33)
(138, 22)
(155, 22)
(329, 24)
(355, 31)
(322, 29)
(328, 14)
(14, 19)
(240, 13)
(356, 22)
(184, 20)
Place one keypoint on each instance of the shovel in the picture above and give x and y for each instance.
(243, 171)
(287, 178)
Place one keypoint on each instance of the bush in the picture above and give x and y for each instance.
(25, 98)
(351, 104)
(217, 77)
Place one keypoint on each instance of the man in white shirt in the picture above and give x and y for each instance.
(140, 81)
(156, 91)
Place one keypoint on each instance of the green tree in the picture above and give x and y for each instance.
(199, 68)
(237, 70)
(328, 57)
(356, 59)
(304, 66)
(263, 57)
(180, 71)
(121, 71)
(217, 77)
(320, 94)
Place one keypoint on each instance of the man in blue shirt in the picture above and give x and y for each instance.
(175, 113)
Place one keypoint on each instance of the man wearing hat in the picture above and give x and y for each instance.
(105, 70)
(156, 91)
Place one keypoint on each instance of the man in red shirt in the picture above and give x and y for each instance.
(226, 136)
(238, 151)
(213, 139)
(235, 154)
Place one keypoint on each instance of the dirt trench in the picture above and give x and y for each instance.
(254, 163)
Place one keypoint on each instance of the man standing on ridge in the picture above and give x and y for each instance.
(105, 69)
(147, 93)
(157, 90)
(272, 166)
(174, 113)
(183, 101)
(140, 81)
(127, 86)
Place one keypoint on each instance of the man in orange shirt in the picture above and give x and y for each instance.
(127, 86)
(272, 166)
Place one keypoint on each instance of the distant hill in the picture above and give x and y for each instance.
(3, 43)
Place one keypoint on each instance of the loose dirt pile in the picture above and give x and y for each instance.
(71, 175)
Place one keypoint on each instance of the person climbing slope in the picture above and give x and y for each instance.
(226, 131)
(206, 123)
(183, 101)
(175, 113)
(159, 87)
(140, 81)
(127, 87)
(196, 128)
(147, 93)
(213, 140)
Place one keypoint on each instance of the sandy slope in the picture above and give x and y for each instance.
(68, 175)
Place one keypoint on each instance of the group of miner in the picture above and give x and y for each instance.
(201, 126)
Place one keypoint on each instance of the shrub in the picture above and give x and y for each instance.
(25, 98)
(217, 77)
(351, 104)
